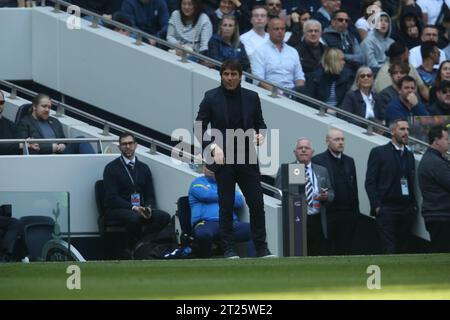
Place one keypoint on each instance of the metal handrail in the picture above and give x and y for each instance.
(322, 106)
(26, 141)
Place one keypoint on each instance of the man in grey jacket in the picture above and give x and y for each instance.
(434, 182)
(322, 195)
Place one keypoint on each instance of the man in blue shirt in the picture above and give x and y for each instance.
(150, 16)
(407, 104)
(204, 203)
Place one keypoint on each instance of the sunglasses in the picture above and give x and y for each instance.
(2, 102)
(343, 20)
(274, 4)
(445, 91)
(365, 75)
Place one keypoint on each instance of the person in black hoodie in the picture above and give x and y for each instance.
(407, 28)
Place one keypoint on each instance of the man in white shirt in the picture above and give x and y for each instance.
(429, 33)
(430, 10)
(257, 35)
(277, 62)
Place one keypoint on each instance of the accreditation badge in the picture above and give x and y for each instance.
(136, 199)
(404, 185)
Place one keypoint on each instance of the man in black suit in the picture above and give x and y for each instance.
(230, 108)
(129, 193)
(434, 181)
(8, 130)
(390, 187)
(343, 212)
(39, 125)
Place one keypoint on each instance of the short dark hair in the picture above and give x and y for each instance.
(445, 84)
(125, 134)
(122, 18)
(435, 133)
(37, 99)
(406, 79)
(427, 48)
(396, 49)
(395, 122)
(333, 17)
(232, 64)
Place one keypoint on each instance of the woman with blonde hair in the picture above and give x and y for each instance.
(361, 100)
(332, 80)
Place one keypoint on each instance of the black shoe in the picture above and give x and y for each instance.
(230, 254)
(265, 253)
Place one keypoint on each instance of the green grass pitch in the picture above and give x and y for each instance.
(402, 277)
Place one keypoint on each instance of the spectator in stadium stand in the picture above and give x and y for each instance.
(277, 62)
(9, 3)
(343, 212)
(332, 80)
(390, 181)
(226, 44)
(12, 247)
(100, 7)
(398, 53)
(360, 100)
(275, 10)
(337, 36)
(407, 104)
(8, 130)
(407, 27)
(129, 193)
(189, 26)
(319, 194)
(443, 74)
(121, 18)
(39, 125)
(430, 57)
(150, 16)
(434, 182)
(429, 33)
(397, 71)
(377, 42)
(431, 10)
(310, 49)
(254, 38)
(441, 107)
(298, 17)
(325, 12)
(368, 9)
(235, 8)
(204, 203)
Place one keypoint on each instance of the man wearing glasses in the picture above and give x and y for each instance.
(338, 36)
(129, 193)
(7, 131)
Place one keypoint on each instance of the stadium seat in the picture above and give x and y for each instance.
(112, 233)
(37, 231)
(22, 112)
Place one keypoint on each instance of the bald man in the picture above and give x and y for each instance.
(342, 213)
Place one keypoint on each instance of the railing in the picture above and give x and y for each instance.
(25, 142)
(371, 126)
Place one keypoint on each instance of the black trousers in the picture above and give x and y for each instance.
(317, 245)
(137, 226)
(11, 229)
(248, 178)
(440, 235)
(341, 229)
(394, 230)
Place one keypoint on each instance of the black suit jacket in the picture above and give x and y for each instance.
(324, 160)
(213, 110)
(28, 127)
(382, 172)
(8, 131)
(119, 188)
(354, 103)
